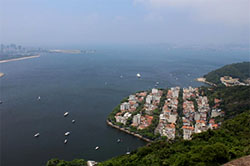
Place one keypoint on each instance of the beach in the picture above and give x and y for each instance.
(18, 59)
(1, 74)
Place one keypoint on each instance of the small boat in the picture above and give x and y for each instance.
(128, 152)
(39, 98)
(37, 135)
(73, 121)
(96, 148)
(1, 102)
(67, 133)
(66, 114)
(118, 140)
(138, 75)
(65, 141)
(157, 83)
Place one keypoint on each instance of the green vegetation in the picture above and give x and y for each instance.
(179, 131)
(213, 147)
(57, 162)
(235, 100)
(236, 70)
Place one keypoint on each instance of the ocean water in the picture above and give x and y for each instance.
(88, 86)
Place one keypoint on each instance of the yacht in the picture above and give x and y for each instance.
(73, 121)
(67, 133)
(37, 135)
(65, 141)
(138, 75)
(66, 114)
(39, 98)
(96, 148)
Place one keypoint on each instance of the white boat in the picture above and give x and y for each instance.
(65, 141)
(138, 75)
(128, 152)
(67, 133)
(96, 148)
(38, 98)
(37, 135)
(66, 114)
(73, 121)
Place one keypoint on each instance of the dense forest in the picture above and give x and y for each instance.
(236, 70)
(213, 147)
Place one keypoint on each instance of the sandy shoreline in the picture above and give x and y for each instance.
(1, 74)
(18, 59)
(201, 79)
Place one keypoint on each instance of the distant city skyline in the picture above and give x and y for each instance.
(46, 23)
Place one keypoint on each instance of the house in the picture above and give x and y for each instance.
(125, 106)
(187, 132)
(136, 120)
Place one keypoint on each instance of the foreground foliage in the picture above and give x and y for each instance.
(57, 162)
(213, 147)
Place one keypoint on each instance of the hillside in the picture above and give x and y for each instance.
(236, 70)
(213, 147)
(234, 100)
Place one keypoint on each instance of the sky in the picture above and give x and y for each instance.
(75, 22)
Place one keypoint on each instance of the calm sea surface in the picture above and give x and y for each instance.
(88, 87)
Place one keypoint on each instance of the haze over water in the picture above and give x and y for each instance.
(88, 87)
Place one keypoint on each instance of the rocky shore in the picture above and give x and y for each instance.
(128, 132)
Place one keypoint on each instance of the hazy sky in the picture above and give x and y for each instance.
(69, 22)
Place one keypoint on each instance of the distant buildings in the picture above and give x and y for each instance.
(229, 81)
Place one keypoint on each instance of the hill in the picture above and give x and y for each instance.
(236, 70)
(213, 147)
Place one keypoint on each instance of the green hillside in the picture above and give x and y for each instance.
(213, 147)
(236, 70)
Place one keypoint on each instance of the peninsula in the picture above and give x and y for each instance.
(18, 59)
(208, 125)
(166, 113)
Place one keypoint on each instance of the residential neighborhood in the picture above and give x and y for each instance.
(143, 109)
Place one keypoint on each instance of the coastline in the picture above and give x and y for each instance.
(203, 80)
(1, 75)
(128, 132)
(18, 59)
